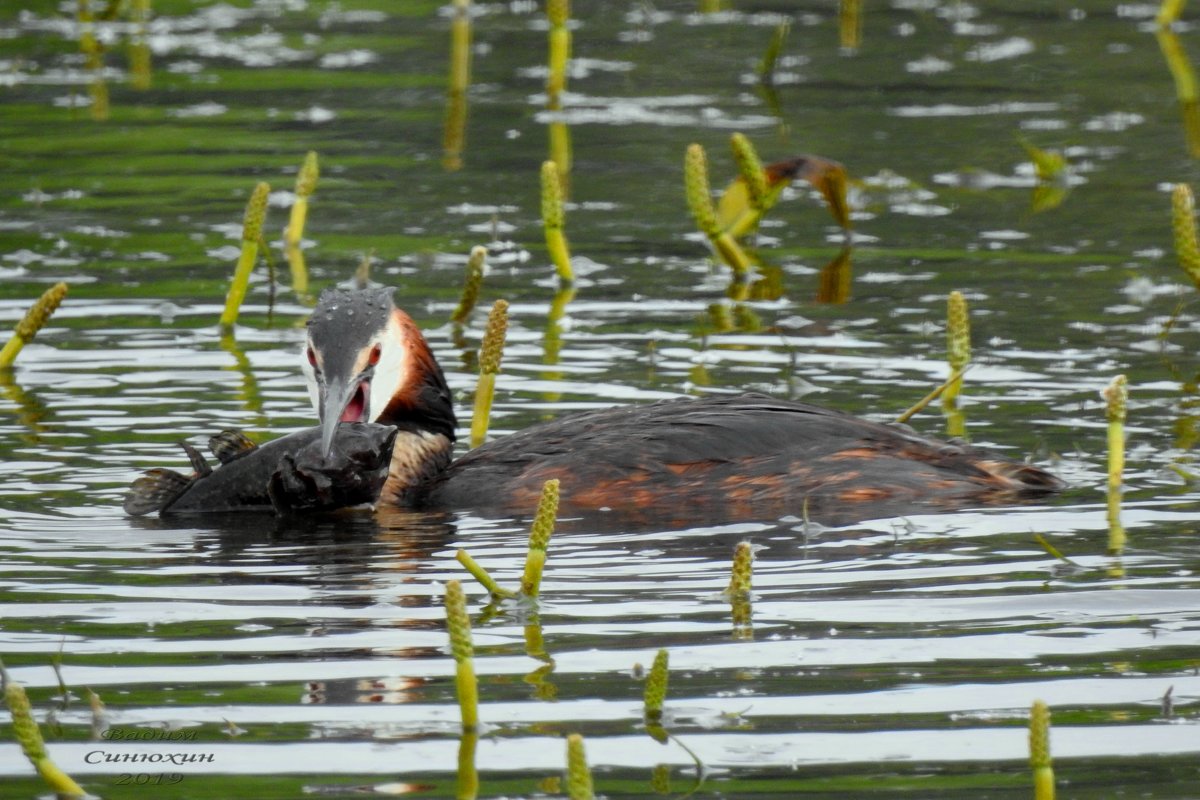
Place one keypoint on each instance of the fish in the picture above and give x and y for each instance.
(289, 475)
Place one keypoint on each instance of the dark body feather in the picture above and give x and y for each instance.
(729, 458)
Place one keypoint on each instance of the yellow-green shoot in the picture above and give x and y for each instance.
(958, 343)
(33, 321)
(465, 683)
(476, 264)
(1116, 398)
(539, 538)
(454, 131)
(490, 353)
(743, 568)
(1039, 751)
(480, 574)
(739, 589)
(306, 183)
(29, 735)
(699, 199)
(654, 697)
(558, 12)
(1183, 226)
(552, 221)
(579, 776)
(256, 213)
(1169, 12)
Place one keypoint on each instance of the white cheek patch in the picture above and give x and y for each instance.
(310, 378)
(391, 372)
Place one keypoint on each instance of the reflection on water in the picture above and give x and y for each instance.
(308, 655)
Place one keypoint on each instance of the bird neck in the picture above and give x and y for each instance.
(423, 409)
(417, 457)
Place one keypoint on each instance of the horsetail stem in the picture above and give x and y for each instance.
(29, 735)
(1116, 397)
(699, 197)
(766, 67)
(455, 124)
(489, 365)
(306, 182)
(579, 776)
(256, 212)
(1039, 751)
(751, 169)
(1183, 225)
(480, 574)
(471, 285)
(460, 646)
(699, 200)
(558, 12)
(34, 320)
(958, 343)
(1169, 12)
(552, 221)
(739, 590)
(467, 782)
(656, 686)
(740, 578)
(920, 405)
(539, 538)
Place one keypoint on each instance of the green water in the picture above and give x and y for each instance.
(897, 658)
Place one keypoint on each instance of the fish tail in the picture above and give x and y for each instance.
(154, 491)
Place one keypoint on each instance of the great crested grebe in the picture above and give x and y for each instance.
(724, 457)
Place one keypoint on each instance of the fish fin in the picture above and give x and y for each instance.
(230, 445)
(199, 465)
(154, 491)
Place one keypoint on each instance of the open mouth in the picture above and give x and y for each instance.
(356, 409)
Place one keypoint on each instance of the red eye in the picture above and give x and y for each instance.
(373, 359)
(312, 357)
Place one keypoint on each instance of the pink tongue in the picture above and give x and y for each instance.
(357, 407)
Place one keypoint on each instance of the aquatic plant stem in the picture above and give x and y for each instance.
(1183, 226)
(539, 538)
(699, 199)
(1116, 398)
(751, 169)
(920, 405)
(460, 645)
(1039, 751)
(739, 590)
(481, 575)
(743, 568)
(306, 182)
(1169, 12)
(766, 67)
(490, 353)
(474, 280)
(656, 685)
(33, 321)
(29, 735)
(958, 345)
(558, 12)
(256, 212)
(579, 776)
(467, 783)
(455, 126)
(552, 221)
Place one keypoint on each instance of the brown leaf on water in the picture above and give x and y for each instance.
(828, 176)
(737, 215)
